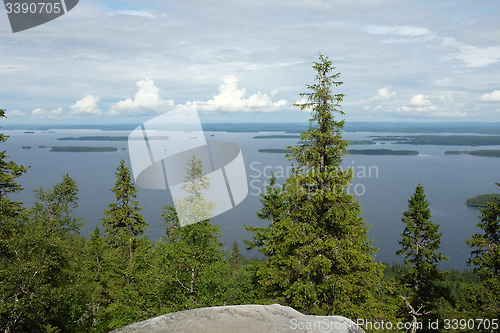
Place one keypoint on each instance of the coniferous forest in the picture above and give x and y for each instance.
(317, 255)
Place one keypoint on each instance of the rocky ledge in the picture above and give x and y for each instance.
(243, 319)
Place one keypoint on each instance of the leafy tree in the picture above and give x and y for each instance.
(190, 263)
(123, 222)
(319, 258)
(41, 285)
(420, 243)
(195, 207)
(484, 298)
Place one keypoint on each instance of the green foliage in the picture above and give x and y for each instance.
(319, 257)
(123, 222)
(9, 171)
(420, 243)
(485, 256)
(482, 200)
(41, 280)
(194, 207)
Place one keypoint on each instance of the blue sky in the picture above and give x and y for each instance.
(247, 61)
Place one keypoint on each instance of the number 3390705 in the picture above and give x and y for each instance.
(40, 7)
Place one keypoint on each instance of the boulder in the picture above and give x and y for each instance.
(242, 319)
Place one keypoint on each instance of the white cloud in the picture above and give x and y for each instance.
(397, 30)
(474, 56)
(420, 100)
(491, 97)
(15, 113)
(87, 105)
(141, 13)
(231, 98)
(147, 99)
(384, 94)
(42, 113)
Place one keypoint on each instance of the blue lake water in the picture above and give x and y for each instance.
(383, 184)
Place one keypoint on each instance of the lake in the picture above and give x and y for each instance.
(383, 184)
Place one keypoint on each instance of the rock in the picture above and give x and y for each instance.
(242, 319)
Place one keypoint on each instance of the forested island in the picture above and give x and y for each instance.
(443, 140)
(110, 138)
(489, 153)
(79, 149)
(275, 151)
(482, 200)
(382, 152)
(95, 138)
(353, 151)
(277, 136)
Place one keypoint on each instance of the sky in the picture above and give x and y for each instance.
(120, 61)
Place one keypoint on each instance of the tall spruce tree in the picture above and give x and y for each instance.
(319, 258)
(123, 222)
(420, 243)
(485, 258)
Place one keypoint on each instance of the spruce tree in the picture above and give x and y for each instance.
(420, 243)
(485, 258)
(319, 258)
(123, 222)
(9, 171)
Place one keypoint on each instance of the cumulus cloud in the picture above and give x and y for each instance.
(230, 98)
(15, 113)
(420, 100)
(42, 113)
(397, 30)
(491, 97)
(422, 105)
(384, 94)
(87, 105)
(147, 99)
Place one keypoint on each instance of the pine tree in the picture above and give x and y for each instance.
(319, 258)
(485, 256)
(123, 222)
(420, 243)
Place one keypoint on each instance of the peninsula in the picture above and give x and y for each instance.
(80, 149)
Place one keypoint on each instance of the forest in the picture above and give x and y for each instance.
(317, 255)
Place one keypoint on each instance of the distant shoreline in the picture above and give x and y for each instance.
(387, 127)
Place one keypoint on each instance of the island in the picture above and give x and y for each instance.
(482, 199)
(110, 138)
(382, 152)
(277, 136)
(81, 149)
(488, 153)
(353, 151)
(443, 140)
(95, 138)
(275, 151)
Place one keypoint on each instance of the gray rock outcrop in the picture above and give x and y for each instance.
(243, 319)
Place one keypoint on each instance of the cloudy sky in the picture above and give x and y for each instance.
(120, 61)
